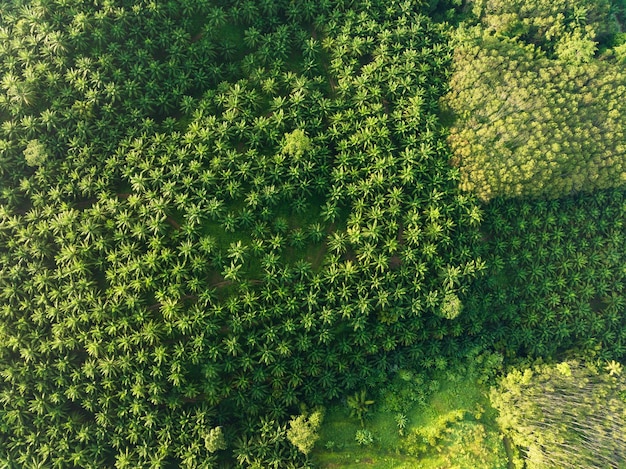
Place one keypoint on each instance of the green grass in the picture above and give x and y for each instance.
(456, 417)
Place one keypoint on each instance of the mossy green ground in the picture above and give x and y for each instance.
(453, 427)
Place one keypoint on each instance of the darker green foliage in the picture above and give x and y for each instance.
(555, 276)
(359, 405)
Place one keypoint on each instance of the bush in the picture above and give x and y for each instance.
(303, 431)
(364, 437)
(35, 153)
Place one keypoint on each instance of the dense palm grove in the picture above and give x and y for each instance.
(214, 213)
(556, 276)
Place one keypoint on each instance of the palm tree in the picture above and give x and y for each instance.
(336, 242)
(236, 251)
(359, 405)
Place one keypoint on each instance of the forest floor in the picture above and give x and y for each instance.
(454, 427)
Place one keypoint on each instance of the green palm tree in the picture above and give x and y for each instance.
(337, 242)
(359, 405)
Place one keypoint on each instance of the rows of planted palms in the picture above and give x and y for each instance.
(555, 277)
(215, 214)
(185, 260)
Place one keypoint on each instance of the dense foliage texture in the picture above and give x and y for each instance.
(217, 213)
(534, 123)
(210, 212)
(564, 416)
(547, 23)
(555, 277)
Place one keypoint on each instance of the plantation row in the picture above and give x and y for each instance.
(217, 215)
(170, 287)
(555, 277)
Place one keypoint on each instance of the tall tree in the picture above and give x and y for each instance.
(566, 415)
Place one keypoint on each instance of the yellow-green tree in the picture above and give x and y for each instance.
(544, 22)
(568, 415)
(530, 125)
(303, 431)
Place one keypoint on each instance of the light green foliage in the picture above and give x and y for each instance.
(536, 113)
(214, 440)
(401, 422)
(423, 439)
(17, 92)
(620, 53)
(303, 431)
(545, 22)
(566, 415)
(246, 206)
(528, 125)
(614, 368)
(214, 212)
(451, 306)
(461, 444)
(471, 446)
(35, 153)
(452, 426)
(296, 144)
(364, 437)
(575, 49)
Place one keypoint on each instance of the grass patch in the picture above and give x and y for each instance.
(449, 424)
